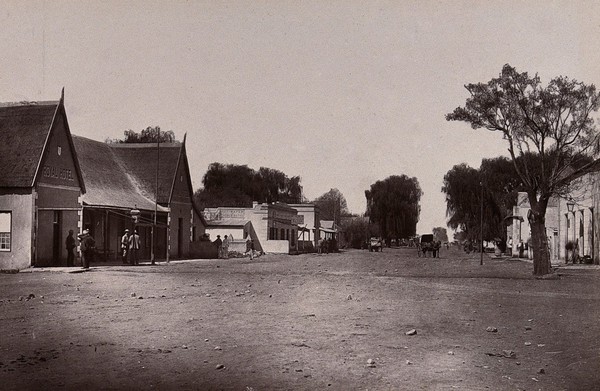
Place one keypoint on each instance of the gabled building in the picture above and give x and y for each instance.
(123, 178)
(52, 182)
(41, 184)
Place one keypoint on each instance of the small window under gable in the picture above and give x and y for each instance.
(5, 230)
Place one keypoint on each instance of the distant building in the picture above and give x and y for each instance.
(329, 229)
(571, 218)
(308, 226)
(275, 225)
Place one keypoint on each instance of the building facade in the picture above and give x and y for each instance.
(572, 219)
(52, 182)
(275, 224)
(41, 185)
(309, 224)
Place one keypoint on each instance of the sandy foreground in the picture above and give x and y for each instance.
(305, 322)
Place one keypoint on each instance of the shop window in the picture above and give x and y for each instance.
(282, 234)
(5, 230)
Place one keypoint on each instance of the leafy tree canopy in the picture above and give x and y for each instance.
(393, 204)
(332, 205)
(239, 185)
(463, 185)
(550, 133)
(148, 135)
(440, 234)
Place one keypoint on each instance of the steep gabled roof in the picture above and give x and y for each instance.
(24, 129)
(140, 160)
(109, 181)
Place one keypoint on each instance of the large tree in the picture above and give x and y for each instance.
(151, 134)
(550, 133)
(440, 234)
(240, 185)
(393, 204)
(332, 205)
(464, 186)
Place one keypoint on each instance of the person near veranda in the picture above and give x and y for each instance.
(134, 247)
(70, 245)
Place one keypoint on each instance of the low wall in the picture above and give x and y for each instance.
(276, 246)
(238, 246)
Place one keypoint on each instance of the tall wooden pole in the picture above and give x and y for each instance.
(481, 233)
(155, 197)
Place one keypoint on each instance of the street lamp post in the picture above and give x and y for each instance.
(571, 209)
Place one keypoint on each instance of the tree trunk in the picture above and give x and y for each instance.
(541, 253)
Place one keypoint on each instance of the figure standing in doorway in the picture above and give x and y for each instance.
(70, 244)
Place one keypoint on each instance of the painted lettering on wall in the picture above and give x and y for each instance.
(58, 173)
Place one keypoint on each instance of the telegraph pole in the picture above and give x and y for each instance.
(155, 198)
(481, 230)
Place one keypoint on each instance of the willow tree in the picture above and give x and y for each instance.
(393, 204)
(550, 133)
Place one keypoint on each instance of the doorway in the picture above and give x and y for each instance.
(179, 237)
(56, 237)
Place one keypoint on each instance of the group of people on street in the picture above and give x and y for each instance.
(223, 247)
(87, 246)
(326, 246)
(130, 246)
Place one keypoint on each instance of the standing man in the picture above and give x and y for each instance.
(251, 250)
(70, 244)
(134, 246)
(124, 246)
(219, 243)
(88, 245)
(226, 247)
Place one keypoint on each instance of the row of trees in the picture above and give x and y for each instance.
(151, 134)
(240, 185)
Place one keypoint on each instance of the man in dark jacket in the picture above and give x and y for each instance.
(70, 244)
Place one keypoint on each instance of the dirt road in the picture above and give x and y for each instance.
(306, 322)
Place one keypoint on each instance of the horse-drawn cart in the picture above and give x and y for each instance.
(428, 244)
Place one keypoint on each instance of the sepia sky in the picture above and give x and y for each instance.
(341, 93)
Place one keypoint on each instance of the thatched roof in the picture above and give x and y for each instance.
(140, 161)
(109, 180)
(24, 129)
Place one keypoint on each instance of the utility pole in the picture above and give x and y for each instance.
(152, 261)
(481, 230)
